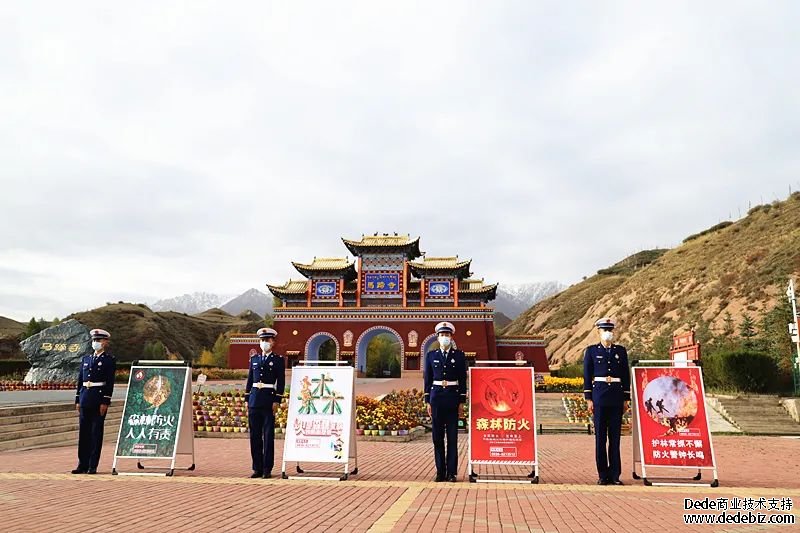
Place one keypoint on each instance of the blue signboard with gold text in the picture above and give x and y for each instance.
(381, 282)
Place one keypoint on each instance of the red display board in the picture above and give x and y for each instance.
(502, 416)
(672, 421)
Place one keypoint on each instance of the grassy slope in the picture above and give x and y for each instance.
(742, 267)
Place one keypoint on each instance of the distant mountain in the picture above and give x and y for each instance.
(251, 300)
(514, 299)
(191, 304)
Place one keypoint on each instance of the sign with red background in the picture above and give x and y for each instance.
(502, 415)
(671, 414)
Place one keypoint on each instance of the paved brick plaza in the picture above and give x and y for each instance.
(393, 491)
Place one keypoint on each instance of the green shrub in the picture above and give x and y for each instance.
(574, 370)
(741, 371)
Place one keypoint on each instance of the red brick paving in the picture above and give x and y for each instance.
(392, 489)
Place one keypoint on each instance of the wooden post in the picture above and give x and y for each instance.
(455, 291)
(341, 292)
(358, 284)
(405, 282)
(308, 292)
(422, 292)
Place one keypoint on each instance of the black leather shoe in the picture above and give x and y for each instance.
(439, 478)
(617, 482)
(256, 474)
(267, 475)
(452, 479)
(79, 471)
(602, 482)
(91, 471)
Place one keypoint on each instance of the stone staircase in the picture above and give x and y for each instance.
(758, 415)
(48, 425)
(551, 417)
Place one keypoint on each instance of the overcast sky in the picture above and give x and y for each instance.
(151, 149)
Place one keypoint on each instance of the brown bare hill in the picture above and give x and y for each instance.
(132, 325)
(10, 328)
(501, 320)
(735, 268)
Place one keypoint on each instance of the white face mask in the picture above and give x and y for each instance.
(266, 346)
(607, 336)
(97, 346)
(444, 341)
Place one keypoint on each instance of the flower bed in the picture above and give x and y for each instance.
(17, 385)
(553, 384)
(224, 412)
(395, 415)
(14, 382)
(577, 410)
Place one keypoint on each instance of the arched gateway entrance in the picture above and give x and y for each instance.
(363, 344)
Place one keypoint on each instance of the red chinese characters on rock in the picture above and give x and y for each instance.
(502, 419)
(671, 413)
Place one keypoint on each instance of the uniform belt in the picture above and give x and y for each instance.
(93, 383)
(264, 385)
(606, 379)
(445, 383)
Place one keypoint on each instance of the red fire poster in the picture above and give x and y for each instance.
(672, 420)
(502, 417)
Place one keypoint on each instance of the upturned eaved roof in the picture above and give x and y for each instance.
(477, 286)
(443, 265)
(290, 287)
(335, 266)
(384, 242)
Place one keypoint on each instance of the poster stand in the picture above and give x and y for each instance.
(184, 437)
(305, 366)
(533, 476)
(638, 449)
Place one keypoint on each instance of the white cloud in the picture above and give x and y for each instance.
(149, 150)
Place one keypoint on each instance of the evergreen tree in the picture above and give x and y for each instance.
(747, 332)
(31, 329)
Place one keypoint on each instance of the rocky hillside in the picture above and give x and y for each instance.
(131, 326)
(737, 268)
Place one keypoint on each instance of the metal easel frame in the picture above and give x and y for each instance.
(186, 403)
(638, 448)
(325, 475)
(533, 476)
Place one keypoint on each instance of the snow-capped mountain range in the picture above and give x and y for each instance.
(512, 299)
(197, 302)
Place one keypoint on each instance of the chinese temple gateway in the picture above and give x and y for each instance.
(391, 287)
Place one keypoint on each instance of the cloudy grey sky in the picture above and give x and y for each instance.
(151, 149)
